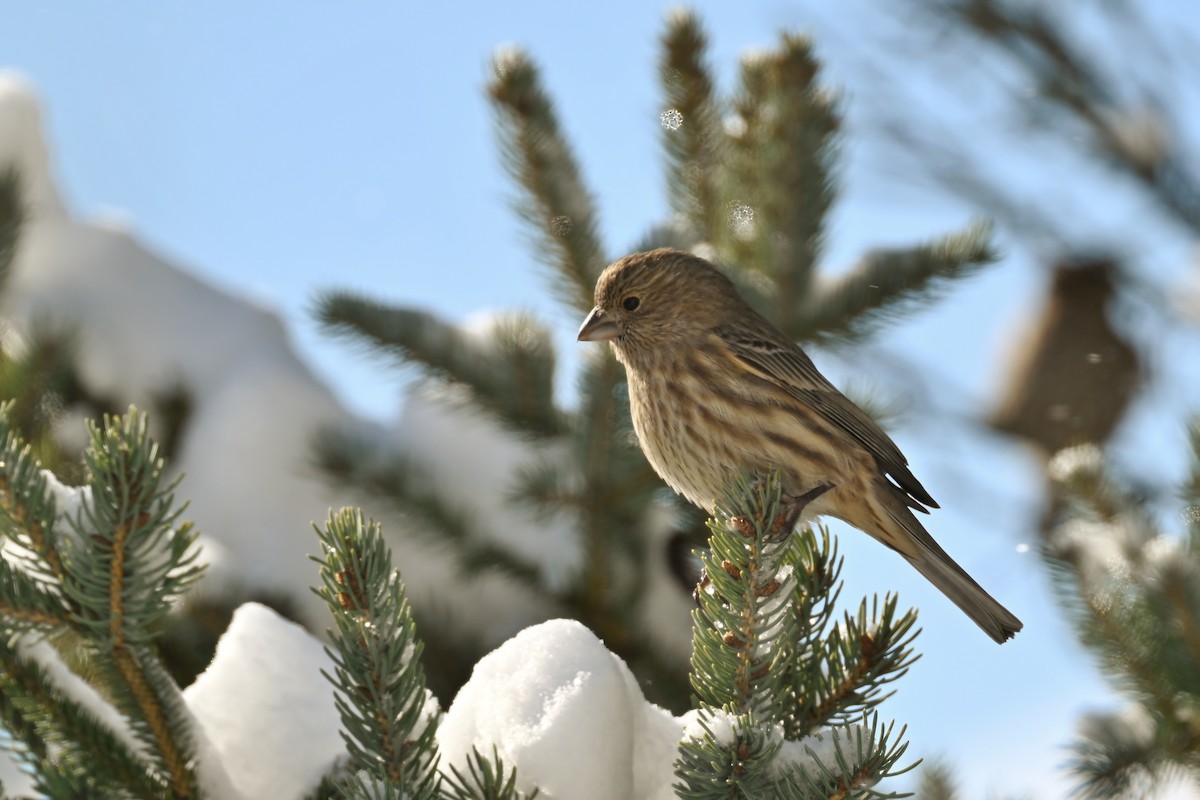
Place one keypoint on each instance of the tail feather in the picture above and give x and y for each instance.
(953, 581)
(996, 620)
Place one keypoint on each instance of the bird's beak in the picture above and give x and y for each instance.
(598, 328)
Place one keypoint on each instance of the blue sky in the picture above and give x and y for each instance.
(372, 123)
(280, 148)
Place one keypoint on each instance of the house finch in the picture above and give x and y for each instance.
(715, 389)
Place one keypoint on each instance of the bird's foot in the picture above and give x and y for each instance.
(791, 507)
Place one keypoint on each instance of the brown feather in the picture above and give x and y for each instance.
(716, 390)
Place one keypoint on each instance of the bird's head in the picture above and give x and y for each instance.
(658, 299)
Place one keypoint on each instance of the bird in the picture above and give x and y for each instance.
(715, 391)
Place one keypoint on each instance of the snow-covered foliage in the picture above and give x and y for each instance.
(146, 326)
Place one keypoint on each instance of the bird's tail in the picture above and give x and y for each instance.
(952, 580)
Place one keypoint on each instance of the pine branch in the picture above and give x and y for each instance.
(1085, 574)
(1135, 599)
(126, 566)
(693, 141)
(797, 188)
(863, 755)
(766, 673)
(485, 779)
(110, 582)
(779, 178)
(543, 489)
(1117, 755)
(556, 205)
(388, 717)
(818, 588)
(889, 283)
(1076, 86)
(27, 509)
(27, 604)
(508, 372)
(724, 756)
(862, 656)
(743, 622)
(26, 742)
(63, 740)
(727, 757)
(357, 463)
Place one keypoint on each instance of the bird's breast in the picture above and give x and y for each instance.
(700, 423)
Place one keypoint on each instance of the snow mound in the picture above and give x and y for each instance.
(568, 713)
(265, 708)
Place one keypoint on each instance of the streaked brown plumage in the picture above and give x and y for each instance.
(715, 389)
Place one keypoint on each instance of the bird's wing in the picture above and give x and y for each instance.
(787, 366)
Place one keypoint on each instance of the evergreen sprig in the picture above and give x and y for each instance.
(358, 463)
(693, 142)
(1096, 95)
(62, 741)
(507, 371)
(781, 174)
(555, 203)
(889, 283)
(613, 483)
(126, 565)
(1134, 597)
(853, 664)
(107, 577)
(28, 511)
(484, 779)
(754, 177)
(771, 683)
(388, 717)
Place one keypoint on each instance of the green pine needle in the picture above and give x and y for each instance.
(555, 204)
(388, 717)
(888, 284)
(508, 372)
(484, 779)
(769, 668)
(693, 141)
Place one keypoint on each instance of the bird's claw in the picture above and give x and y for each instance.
(791, 507)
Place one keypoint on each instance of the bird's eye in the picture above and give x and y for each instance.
(631, 303)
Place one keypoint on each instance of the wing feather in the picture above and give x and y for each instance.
(787, 366)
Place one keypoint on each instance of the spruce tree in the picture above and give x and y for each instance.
(751, 178)
(776, 677)
(785, 696)
(785, 684)
(91, 587)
